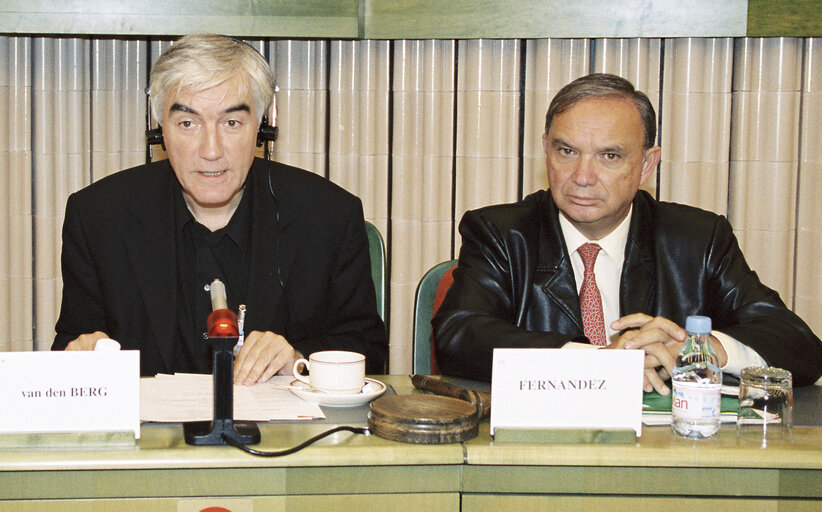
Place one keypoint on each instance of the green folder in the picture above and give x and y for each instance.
(657, 407)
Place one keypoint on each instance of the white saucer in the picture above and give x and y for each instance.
(372, 389)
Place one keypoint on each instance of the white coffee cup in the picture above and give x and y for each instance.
(333, 371)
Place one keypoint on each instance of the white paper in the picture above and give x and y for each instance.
(555, 388)
(82, 391)
(186, 397)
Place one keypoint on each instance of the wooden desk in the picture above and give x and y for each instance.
(353, 473)
(660, 472)
(345, 472)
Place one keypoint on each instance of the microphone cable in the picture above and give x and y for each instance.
(288, 451)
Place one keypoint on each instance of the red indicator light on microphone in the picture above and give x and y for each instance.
(222, 324)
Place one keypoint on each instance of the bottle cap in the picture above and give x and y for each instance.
(698, 324)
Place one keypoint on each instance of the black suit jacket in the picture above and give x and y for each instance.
(120, 276)
(515, 287)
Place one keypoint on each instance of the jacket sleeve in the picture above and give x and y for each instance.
(484, 308)
(744, 308)
(351, 321)
(81, 309)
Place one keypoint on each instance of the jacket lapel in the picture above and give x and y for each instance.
(272, 252)
(638, 280)
(553, 260)
(149, 246)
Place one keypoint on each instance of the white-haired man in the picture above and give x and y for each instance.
(139, 246)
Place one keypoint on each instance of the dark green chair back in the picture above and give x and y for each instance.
(423, 311)
(376, 248)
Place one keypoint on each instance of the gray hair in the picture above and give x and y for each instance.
(600, 85)
(202, 61)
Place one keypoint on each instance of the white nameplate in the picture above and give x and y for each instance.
(82, 391)
(567, 389)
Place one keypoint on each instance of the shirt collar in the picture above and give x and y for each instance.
(612, 244)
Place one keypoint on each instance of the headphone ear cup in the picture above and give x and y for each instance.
(266, 133)
(155, 136)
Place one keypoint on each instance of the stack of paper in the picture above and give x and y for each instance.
(186, 397)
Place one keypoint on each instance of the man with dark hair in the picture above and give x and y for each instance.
(593, 262)
(139, 246)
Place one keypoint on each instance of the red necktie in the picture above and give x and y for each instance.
(590, 301)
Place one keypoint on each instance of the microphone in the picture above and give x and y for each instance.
(222, 335)
(222, 322)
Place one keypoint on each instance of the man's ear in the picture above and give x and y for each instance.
(649, 163)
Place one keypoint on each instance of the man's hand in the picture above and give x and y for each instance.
(86, 341)
(660, 338)
(263, 355)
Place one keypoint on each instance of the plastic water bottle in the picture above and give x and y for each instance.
(697, 383)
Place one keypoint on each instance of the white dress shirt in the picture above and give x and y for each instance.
(608, 269)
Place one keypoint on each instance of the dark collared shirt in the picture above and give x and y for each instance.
(203, 256)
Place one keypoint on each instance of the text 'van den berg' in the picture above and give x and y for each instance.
(80, 391)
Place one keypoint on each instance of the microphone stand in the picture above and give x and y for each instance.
(209, 433)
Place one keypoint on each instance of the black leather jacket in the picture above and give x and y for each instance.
(514, 286)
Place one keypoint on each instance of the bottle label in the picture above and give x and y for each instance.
(693, 401)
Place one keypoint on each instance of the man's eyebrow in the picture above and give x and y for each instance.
(558, 141)
(613, 149)
(177, 107)
(242, 107)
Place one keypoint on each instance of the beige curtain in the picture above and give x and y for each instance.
(423, 131)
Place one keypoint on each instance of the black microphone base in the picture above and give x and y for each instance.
(210, 433)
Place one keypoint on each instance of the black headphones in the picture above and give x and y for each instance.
(266, 133)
